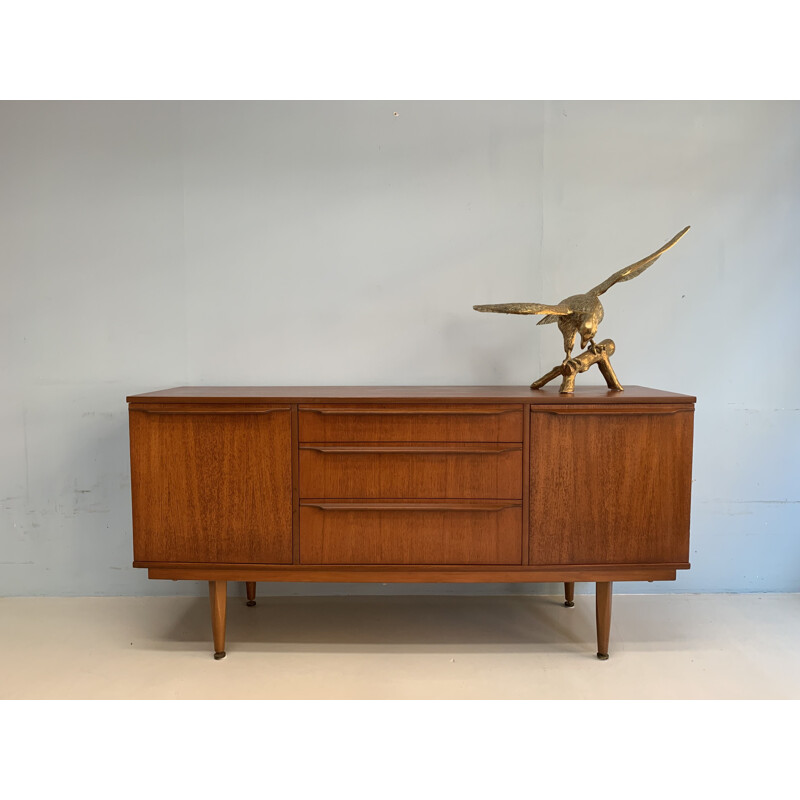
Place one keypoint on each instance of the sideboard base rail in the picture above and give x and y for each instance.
(551, 574)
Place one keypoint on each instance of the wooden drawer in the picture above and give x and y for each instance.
(410, 533)
(428, 471)
(384, 422)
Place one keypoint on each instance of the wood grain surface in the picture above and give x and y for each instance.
(602, 605)
(414, 470)
(411, 484)
(420, 573)
(410, 533)
(608, 488)
(211, 487)
(406, 394)
(218, 596)
(372, 422)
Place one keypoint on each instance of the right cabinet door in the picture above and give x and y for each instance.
(610, 485)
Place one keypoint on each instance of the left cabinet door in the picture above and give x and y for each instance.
(212, 485)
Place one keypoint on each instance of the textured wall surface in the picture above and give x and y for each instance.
(147, 245)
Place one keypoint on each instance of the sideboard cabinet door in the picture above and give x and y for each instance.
(212, 486)
(610, 486)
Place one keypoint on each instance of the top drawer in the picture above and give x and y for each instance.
(384, 422)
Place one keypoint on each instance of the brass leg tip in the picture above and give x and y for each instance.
(221, 654)
(569, 603)
(251, 603)
(603, 656)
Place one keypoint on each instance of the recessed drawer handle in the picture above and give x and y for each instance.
(408, 506)
(231, 410)
(449, 450)
(612, 412)
(389, 412)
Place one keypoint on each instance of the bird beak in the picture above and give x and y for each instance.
(585, 341)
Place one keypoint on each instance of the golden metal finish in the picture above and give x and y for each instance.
(581, 314)
(596, 354)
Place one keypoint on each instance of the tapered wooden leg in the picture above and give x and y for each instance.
(251, 592)
(603, 613)
(218, 592)
(569, 595)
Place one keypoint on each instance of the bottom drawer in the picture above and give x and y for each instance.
(410, 533)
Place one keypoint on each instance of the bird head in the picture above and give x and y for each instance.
(588, 330)
(589, 321)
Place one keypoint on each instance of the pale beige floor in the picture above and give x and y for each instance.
(662, 646)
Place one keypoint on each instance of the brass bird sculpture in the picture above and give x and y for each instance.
(580, 313)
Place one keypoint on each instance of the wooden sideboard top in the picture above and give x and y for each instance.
(405, 394)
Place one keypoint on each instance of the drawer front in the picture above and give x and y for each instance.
(375, 422)
(410, 533)
(411, 471)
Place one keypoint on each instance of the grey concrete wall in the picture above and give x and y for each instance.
(145, 245)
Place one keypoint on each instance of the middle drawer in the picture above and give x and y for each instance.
(409, 470)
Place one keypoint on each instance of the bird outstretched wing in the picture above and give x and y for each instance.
(525, 308)
(635, 269)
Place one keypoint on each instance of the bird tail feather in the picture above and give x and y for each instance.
(548, 319)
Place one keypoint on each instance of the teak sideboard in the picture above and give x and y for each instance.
(411, 484)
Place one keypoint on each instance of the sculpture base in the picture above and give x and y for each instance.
(596, 354)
